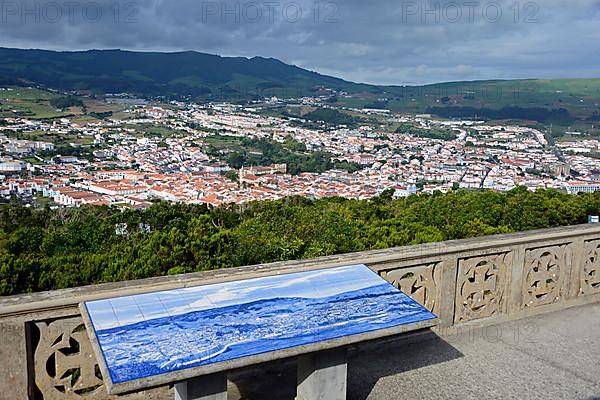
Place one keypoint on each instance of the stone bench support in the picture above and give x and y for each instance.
(323, 375)
(208, 387)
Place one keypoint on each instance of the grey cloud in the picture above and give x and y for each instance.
(386, 41)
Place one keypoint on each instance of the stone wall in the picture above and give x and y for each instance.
(474, 281)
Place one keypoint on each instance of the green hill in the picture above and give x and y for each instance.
(580, 97)
(163, 74)
(566, 102)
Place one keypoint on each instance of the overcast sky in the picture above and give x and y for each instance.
(377, 41)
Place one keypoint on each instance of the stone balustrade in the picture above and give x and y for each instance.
(46, 354)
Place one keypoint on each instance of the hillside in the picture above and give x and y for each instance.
(198, 76)
(562, 101)
(162, 74)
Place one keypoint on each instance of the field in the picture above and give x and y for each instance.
(150, 130)
(558, 106)
(580, 96)
(31, 103)
(224, 142)
(53, 137)
(555, 106)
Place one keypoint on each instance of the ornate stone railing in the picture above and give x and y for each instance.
(46, 354)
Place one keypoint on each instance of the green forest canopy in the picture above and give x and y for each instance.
(51, 249)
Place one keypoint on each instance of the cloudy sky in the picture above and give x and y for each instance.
(381, 41)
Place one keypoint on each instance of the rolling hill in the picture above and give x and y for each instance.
(199, 76)
(163, 74)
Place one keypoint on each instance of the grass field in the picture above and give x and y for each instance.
(580, 96)
(151, 130)
(224, 142)
(31, 103)
(54, 137)
(515, 98)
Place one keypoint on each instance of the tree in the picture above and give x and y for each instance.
(49, 249)
(232, 175)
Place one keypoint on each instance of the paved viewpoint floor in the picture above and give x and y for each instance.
(551, 356)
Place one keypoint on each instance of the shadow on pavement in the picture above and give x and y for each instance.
(367, 364)
(374, 362)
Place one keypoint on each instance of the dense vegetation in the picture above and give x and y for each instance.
(66, 102)
(433, 133)
(46, 249)
(332, 117)
(530, 113)
(244, 152)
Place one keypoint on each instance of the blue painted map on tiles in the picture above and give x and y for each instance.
(157, 333)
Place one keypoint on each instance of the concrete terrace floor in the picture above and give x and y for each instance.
(550, 356)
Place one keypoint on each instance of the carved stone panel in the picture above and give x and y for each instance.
(64, 363)
(544, 275)
(481, 286)
(590, 274)
(65, 366)
(420, 283)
